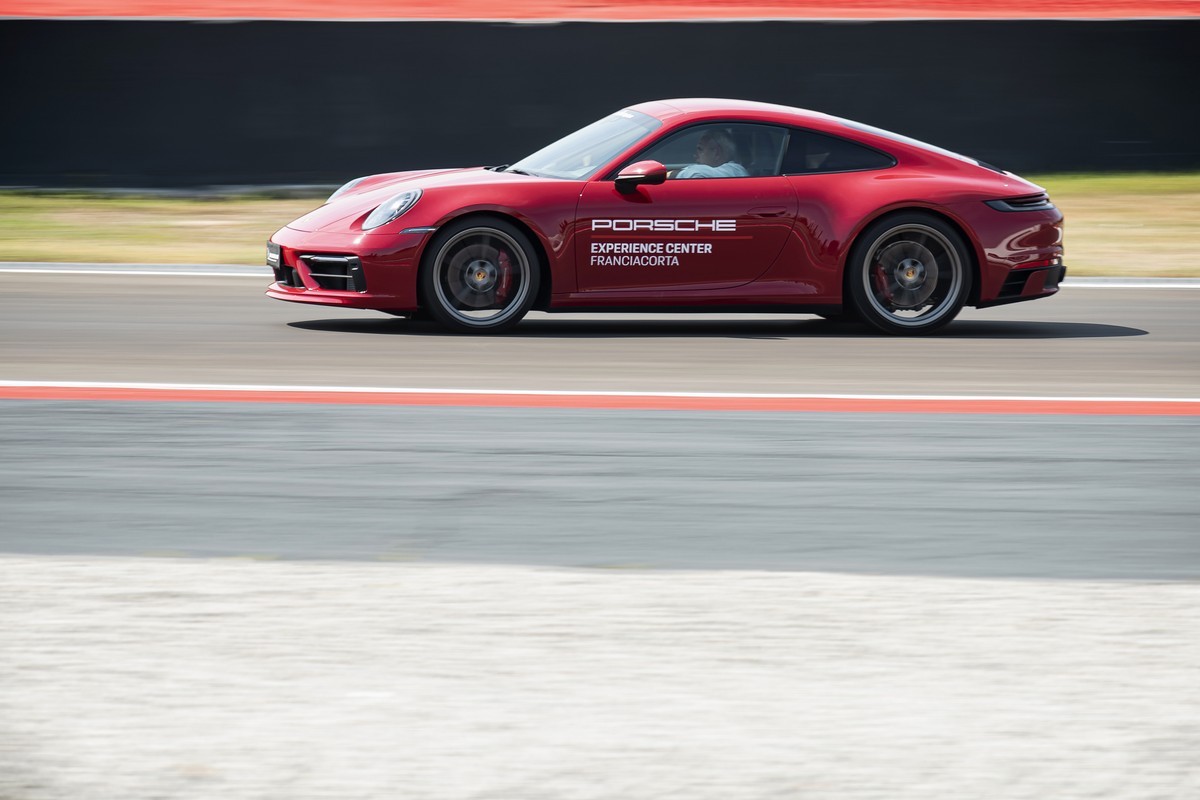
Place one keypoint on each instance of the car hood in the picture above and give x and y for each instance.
(347, 211)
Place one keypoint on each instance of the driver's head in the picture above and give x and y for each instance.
(715, 148)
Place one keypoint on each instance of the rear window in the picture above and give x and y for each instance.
(933, 148)
(810, 152)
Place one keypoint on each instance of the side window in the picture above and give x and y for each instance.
(723, 150)
(809, 151)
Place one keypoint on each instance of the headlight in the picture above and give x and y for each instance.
(347, 187)
(394, 207)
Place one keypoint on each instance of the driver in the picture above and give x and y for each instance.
(716, 157)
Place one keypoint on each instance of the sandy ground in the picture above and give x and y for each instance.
(177, 678)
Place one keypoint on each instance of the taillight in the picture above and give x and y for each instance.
(1028, 202)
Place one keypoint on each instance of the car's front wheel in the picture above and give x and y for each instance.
(909, 274)
(479, 275)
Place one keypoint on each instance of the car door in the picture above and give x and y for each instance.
(700, 233)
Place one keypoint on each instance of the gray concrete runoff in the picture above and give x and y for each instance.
(976, 496)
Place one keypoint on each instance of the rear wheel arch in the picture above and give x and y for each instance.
(971, 246)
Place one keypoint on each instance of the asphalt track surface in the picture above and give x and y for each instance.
(1029, 495)
(1107, 342)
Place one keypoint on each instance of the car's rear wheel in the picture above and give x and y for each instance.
(479, 275)
(909, 274)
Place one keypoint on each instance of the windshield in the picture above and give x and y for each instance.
(580, 155)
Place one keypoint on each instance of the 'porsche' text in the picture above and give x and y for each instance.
(665, 225)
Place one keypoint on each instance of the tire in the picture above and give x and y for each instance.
(909, 274)
(479, 276)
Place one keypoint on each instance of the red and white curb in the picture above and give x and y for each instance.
(634, 401)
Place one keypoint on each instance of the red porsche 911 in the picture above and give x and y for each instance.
(684, 205)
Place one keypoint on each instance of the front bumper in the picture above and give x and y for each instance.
(369, 271)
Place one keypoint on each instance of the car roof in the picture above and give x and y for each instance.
(704, 107)
(694, 109)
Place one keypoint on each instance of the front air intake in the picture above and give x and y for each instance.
(339, 273)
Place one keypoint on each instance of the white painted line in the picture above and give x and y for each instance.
(167, 270)
(221, 387)
(1133, 283)
(264, 272)
(128, 273)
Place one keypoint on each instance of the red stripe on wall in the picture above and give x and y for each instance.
(619, 10)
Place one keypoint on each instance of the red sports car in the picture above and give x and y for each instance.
(684, 205)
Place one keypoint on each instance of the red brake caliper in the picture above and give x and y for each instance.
(881, 282)
(504, 284)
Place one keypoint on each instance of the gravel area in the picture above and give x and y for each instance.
(188, 678)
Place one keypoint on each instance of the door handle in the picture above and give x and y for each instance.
(768, 211)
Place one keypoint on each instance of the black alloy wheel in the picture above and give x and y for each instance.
(479, 276)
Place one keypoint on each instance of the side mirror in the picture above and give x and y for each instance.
(648, 173)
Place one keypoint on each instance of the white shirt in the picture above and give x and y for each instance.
(730, 169)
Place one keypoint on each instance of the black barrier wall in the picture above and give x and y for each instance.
(159, 104)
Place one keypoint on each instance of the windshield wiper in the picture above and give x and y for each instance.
(507, 168)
